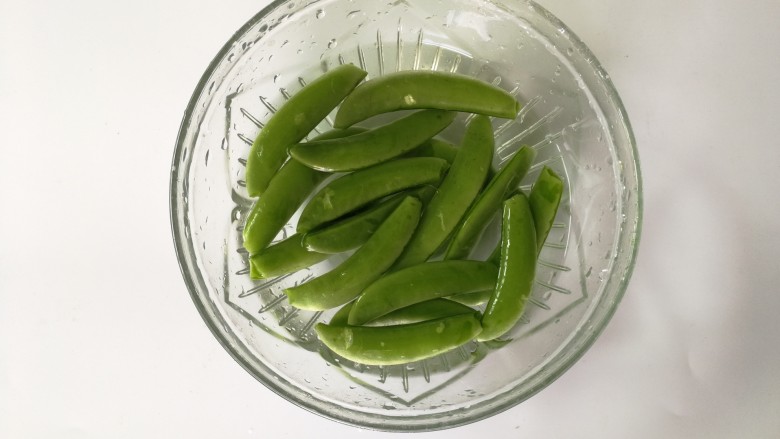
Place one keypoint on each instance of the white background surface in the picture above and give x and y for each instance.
(99, 337)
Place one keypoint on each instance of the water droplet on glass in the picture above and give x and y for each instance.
(570, 51)
(223, 145)
(332, 43)
(320, 13)
(275, 78)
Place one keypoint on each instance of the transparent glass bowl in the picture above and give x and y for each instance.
(571, 115)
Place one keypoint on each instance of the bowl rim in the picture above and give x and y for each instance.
(373, 421)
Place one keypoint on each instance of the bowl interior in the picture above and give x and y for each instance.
(571, 116)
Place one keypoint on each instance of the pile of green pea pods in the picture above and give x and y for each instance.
(404, 195)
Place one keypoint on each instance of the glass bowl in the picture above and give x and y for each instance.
(572, 115)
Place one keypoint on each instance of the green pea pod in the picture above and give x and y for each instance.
(516, 271)
(456, 193)
(398, 344)
(419, 283)
(436, 148)
(545, 198)
(355, 190)
(373, 146)
(346, 281)
(283, 196)
(408, 90)
(419, 312)
(293, 121)
(353, 231)
(483, 209)
(284, 257)
(472, 299)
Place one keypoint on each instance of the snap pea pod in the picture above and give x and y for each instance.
(436, 148)
(283, 196)
(419, 312)
(472, 299)
(488, 202)
(456, 193)
(359, 188)
(294, 120)
(373, 146)
(353, 231)
(346, 281)
(419, 283)
(516, 271)
(407, 90)
(545, 198)
(284, 257)
(398, 344)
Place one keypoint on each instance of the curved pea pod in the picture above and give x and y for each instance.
(398, 344)
(516, 271)
(283, 196)
(373, 146)
(284, 257)
(544, 199)
(355, 190)
(346, 281)
(436, 148)
(419, 312)
(456, 193)
(354, 230)
(419, 283)
(407, 90)
(294, 120)
(488, 203)
(472, 299)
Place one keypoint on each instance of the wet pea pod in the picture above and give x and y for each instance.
(456, 193)
(418, 312)
(357, 189)
(472, 299)
(436, 148)
(420, 283)
(354, 230)
(398, 344)
(516, 270)
(284, 195)
(283, 257)
(488, 203)
(295, 120)
(544, 199)
(346, 281)
(418, 89)
(373, 146)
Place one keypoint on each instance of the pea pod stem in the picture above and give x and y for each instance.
(399, 344)
(373, 146)
(294, 120)
(355, 190)
(346, 281)
(488, 203)
(456, 193)
(418, 89)
(420, 283)
(516, 270)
